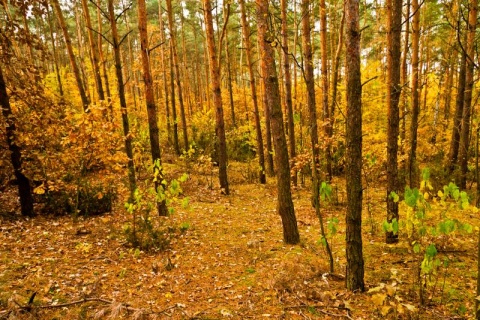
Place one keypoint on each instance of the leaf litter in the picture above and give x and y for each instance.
(228, 261)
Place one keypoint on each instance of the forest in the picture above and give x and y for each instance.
(210, 159)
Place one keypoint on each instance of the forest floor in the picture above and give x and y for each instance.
(225, 260)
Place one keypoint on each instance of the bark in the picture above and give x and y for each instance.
(93, 52)
(71, 55)
(469, 85)
(173, 40)
(217, 97)
(253, 89)
(24, 191)
(151, 106)
(121, 97)
(288, 87)
(354, 251)
(284, 197)
(394, 13)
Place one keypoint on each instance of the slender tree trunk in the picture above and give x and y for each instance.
(325, 79)
(164, 71)
(394, 13)
(335, 68)
(311, 104)
(103, 60)
(121, 96)
(173, 40)
(54, 48)
(253, 88)
(469, 85)
(284, 197)
(174, 107)
(404, 99)
(71, 55)
(354, 250)
(94, 51)
(217, 96)
(412, 158)
(24, 192)
(151, 107)
(270, 167)
(288, 87)
(457, 119)
(226, 14)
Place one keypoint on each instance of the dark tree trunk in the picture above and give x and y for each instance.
(394, 11)
(217, 96)
(24, 191)
(253, 88)
(469, 85)
(284, 198)
(354, 250)
(123, 102)
(151, 106)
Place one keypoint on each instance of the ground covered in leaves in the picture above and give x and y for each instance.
(226, 259)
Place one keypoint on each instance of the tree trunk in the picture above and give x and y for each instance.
(288, 87)
(174, 107)
(253, 88)
(325, 77)
(71, 55)
(354, 251)
(311, 104)
(217, 96)
(415, 93)
(394, 13)
(121, 97)
(173, 40)
(335, 68)
(284, 198)
(226, 13)
(164, 71)
(151, 107)
(469, 82)
(457, 119)
(24, 192)
(404, 98)
(54, 49)
(93, 52)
